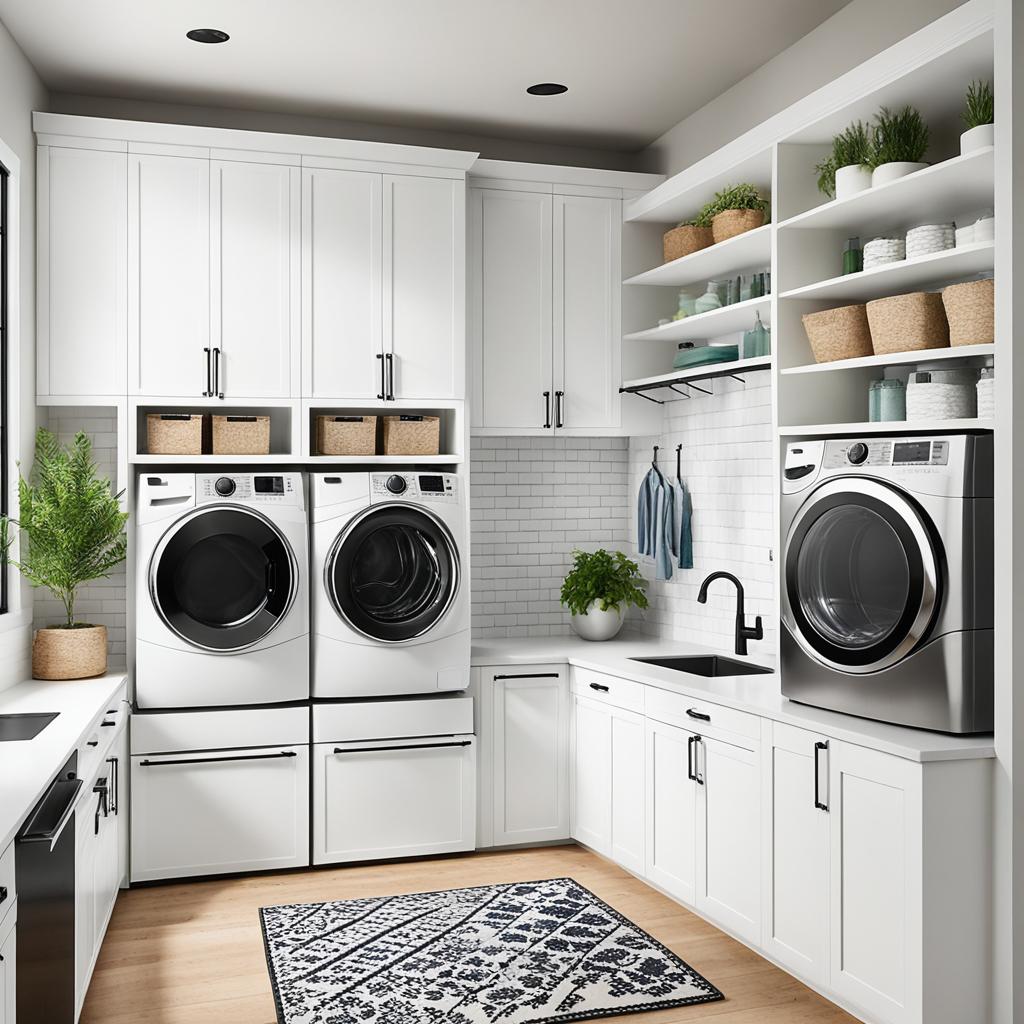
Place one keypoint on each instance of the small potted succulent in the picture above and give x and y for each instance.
(899, 142)
(847, 168)
(734, 211)
(598, 589)
(979, 116)
(72, 531)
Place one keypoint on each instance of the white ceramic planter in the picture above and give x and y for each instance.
(977, 138)
(597, 624)
(852, 179)
(885, 173)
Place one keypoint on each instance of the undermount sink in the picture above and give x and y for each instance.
(24, 727)
(707, 665)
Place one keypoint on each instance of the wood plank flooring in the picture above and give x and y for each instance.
(192, 953)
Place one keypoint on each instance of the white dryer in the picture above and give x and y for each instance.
(222, 614)
(390, 584)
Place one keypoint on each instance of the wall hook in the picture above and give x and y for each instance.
(679, 462)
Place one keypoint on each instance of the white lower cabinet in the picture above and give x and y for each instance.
(627, 833)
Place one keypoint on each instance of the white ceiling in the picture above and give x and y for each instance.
(634, 67)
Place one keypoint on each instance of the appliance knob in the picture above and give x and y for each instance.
(857, 453)
(224, 486)
(396, 484)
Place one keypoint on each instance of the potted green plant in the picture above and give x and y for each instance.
(71, 531)
(733, 211)
(847, 168)
(979, 116)
(598, 589)
(899, 142)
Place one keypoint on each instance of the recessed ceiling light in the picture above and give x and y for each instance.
(208, 35)
(547, 89)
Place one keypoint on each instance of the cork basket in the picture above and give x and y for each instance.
(730, 223)
(175, 433)
(78, 653)
(685, 239)
(412, 435)
(241, 435)
(908, 323)
(970, 310)
(840, 333)
(346, 435)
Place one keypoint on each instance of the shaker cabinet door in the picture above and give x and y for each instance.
(591, 775)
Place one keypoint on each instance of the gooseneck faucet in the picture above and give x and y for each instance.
(743, 631)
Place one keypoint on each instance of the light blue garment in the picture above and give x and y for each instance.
(664, 533)
(682, 537)
(646, 510)
(656, 522)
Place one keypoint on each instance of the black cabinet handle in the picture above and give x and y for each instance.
(216, 375)
(691, 713)
(698, 742)
(690, 740)
(407, 746)
(107, 725)
(559, 395)
(389, 361)
(115, 772)
(3, 893)
(383, 393)
(529, 675)
(208, 393)
(101, 803)
(547, 410)
(599, 687)
(818, 802)
(92, 743)
(215, 760)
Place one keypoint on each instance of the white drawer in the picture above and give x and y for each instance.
(701, 715)
(392, 719)
(620, 693)
(169, 732)
(102, 732)
(7, 890)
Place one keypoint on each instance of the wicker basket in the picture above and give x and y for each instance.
(970, 310)
(78, 653)
(730, 223)
(685, 239)
(840, 333)
(412, 435)
(241, 435)
(908, 323)
(175, 433)
(346, 435)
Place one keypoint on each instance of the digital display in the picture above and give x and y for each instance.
(269, 484)
(432, 484)
(911, 451)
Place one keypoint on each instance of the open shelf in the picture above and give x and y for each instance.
(694, 374)
(929, 355)
(892, 427)
(739, 316)
(748, 251)
(368, 461)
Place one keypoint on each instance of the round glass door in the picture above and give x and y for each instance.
(861, 576)
(223, 578)
(393, 573)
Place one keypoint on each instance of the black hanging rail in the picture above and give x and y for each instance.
(686, 378)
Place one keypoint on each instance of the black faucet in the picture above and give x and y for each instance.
(743, 631)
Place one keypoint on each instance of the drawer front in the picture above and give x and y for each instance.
(104, 729)
(619, 693)
(703, 716)
(167, 732)
(8, 893)
(392, 719)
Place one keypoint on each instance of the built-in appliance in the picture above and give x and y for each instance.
(887, 579)
(390, 587)
(221, 603)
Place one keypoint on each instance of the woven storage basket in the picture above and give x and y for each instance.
(69, 653)
(241, 435)
(970, 310)
(730, 223)
(175, 433)
(840, 333)
(908, 323)
(346, 435)
(683, 240)
(412, 435)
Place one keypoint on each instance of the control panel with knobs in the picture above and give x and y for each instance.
(857, 453)
(224, 486)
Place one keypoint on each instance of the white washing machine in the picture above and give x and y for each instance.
(222, 615)
(390, 584)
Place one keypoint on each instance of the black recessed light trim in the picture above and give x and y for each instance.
(547, 89)
(208, 35)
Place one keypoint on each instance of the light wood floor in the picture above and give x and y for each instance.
(192, 953)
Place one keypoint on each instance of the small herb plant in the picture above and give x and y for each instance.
(607, 577)
(72, 526)
(979, 105)
(898, 136)
(850, 146)
(736, 197)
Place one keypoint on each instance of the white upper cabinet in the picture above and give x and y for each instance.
(83, 272)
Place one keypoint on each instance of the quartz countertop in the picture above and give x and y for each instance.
(757, 694)
(28, 766)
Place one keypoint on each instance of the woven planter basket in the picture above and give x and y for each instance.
(685, 239)
(840, 333)
(908, 323)
(175, 433)
(346, 435)
(79, 653)
(241, 435)
(970, 310)
(730, 223)
(412, 435)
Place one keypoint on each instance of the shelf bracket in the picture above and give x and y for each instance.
(740, 379)
(703, 391)
(685, 394)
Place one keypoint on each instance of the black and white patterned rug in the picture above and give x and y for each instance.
(521, 953)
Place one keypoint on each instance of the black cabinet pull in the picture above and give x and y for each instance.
(115, 771)
(215, 760)
(107, 725)
(3, 893)
(559, 395)
(818, 802)
(92, 743)
(208, 393)
(698, 742)
(101, 803)
(547, 410)
(218, 389)
(599, 686)
(691, 713)
(529, 675)
(383, 393)
(389, 361)
(407, 746)
(690, 740)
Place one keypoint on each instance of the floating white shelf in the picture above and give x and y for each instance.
(737, 317)
(295, 460)
(896, 427)
(937, 192)
(748, 251)
(930, 355)
(907, 275)
(696, 373)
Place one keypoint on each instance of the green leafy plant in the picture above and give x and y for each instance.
(607, 577)
(850, 146)
(979, 105)
(71, 525)
(735, 197)
(898, 136)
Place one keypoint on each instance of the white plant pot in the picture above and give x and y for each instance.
(852, 179)
(597, 624)
(977, 138)
(885, 173)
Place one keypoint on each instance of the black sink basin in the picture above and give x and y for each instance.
(24, 727)
(707, 665)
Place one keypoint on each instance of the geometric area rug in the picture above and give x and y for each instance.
(519, 953)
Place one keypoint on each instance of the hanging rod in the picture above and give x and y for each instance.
(686, 378)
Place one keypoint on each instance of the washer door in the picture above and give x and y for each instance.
(222, 578)
(862, 578)
(393, 572)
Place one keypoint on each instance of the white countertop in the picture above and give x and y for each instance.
(28, 766)
(758, 694)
